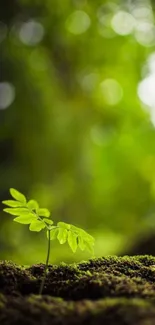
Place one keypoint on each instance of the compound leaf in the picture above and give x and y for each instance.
(62, 235)
(44, 213)
(17, 195)
(72, 241)
(24, 220)
(27, 213)
(37, 225)
(13, 204)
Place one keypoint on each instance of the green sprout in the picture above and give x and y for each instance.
(29, 212)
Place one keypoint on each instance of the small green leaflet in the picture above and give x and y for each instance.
(25, 220)
(44, 213)
(72, 240)
(62, 235)
(17, 211)
(33, 205)
(81, 243)
(13, 204)
(17, 195)
(37, 225)
(64, 225)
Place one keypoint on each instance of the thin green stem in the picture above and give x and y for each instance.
(46, 265)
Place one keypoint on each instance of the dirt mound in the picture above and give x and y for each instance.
(112, 290)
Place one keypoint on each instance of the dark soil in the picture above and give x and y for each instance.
(106, 291)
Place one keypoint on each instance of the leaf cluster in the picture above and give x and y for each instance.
(29, 212)
(76, 237)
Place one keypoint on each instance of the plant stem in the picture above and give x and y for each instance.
(46, 265)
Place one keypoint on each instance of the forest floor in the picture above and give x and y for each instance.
(110, 291)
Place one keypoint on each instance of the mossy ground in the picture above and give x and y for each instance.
(107, 291)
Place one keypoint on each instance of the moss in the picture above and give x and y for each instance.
(111, 290)
(47, 310)
(13, 278)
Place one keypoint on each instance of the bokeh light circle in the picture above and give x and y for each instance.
(7, 94)
(111, 91)
(31, 32)
(78, 22)
(123, 23)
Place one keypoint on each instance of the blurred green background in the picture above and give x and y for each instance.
(77, 121)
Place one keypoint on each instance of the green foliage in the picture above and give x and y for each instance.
(76, 237)
(38, 219)
(27, 212)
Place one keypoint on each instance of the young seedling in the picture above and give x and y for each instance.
(29, 212)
